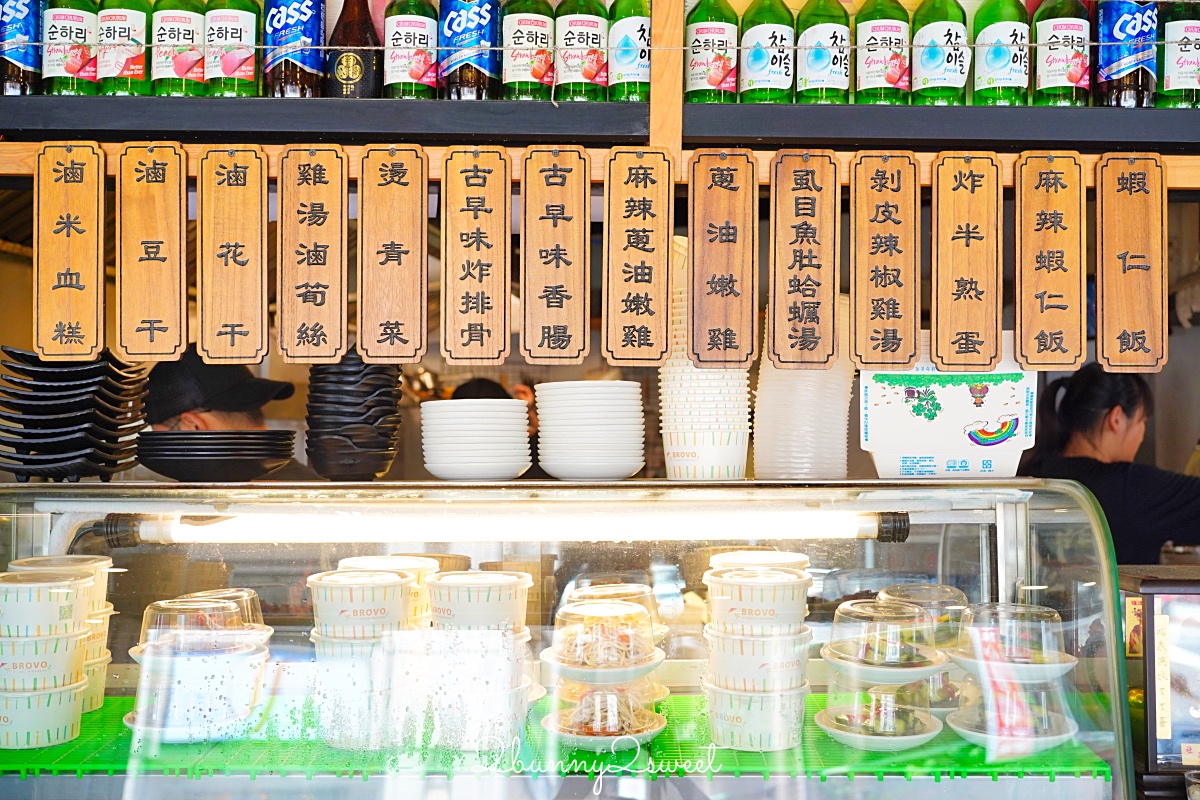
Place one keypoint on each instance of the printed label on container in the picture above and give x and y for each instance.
(469, 33)
(767, 57)
(582, 49)
(883, 55)
(1062, 58)
(528, 39)
(410, 53)
(629, 51)
(70, 44)
(1003, 49)
(230, 51)
(19, 23)
(291, 28)
(712, 56)
(823, 57)
(1181, 54)
(941, 56)
(178, 41)
(1129, 30)
(122, 44)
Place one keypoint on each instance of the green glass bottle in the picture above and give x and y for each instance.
(69, 31)
(527, 34)
(123, 60)
(1178, 55)
(1001, 54)
(768, 52)
(232, 32)
(410, 55)
(881, 58)
(581, 50)
(941, 55)
(629, 51)
(1061, 32)
(822, 53)
(711, 54)
(177, 57)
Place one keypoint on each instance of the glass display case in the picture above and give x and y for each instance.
(441, 640)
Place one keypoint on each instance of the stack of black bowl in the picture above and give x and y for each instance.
(353, 418)
(215, 456)
(66, 420)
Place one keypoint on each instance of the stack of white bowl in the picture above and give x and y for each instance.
(476, 440)
(591, 430)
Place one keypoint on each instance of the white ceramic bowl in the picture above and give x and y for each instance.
(40, 719)
(97, 680)
(757, 663)
(1001, 748)
(759, 722)
(487, 601)
(476, 453)
(1012, 671)
(44, 602)
(358, 604)
(742, 599)
(880, 744)
(568, 470)
(475, 406)
(31, 664)
(97, 638)
(591, 386)
(478, 471)
(99, 566)
(600, 744)
(601, 676)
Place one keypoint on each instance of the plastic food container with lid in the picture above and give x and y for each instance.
(98, 566)
(646, 690)
(757, 663)
(479, 600)
(40, 719)
(1012, 720)
(193, 625)
(945, 605)
(604, 719)
(1012, 642)
(883, 641)
(44, 602)
(194, 689)
(420, 567)
(96, 672)
(758, 601)
(758, 722)
(603, 642)
(97, 639)
(33, 663)
(638, 593)
(246, 599)
(876, 717)
(759, 559)
(357, 604)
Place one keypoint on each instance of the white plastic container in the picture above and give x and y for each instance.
(419, 567)
(97, 639)
(99, 566)
(484, 720)
(31, 664)
(758, 722)
(40, 719)
(196, 689)
(97, 680)
(757, 663)
(44, 602)
(360, 604)
(758, 601)
(479, 601)
(759, 558)
(705, 455)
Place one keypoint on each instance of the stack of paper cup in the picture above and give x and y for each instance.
(591, 430)
(419, 567)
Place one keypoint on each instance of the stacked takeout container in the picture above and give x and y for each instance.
(476, 440)
(591, 430)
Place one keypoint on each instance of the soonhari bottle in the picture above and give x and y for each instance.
(941, 57)
(1179, 55)
(231, 56)
(1061, 32)
(629, 51)
(527, 33)
(768, 53)
(882, 61)
(822, 53)
(410, 54)
(123, 29)
(710, 60)
(1002, 54)
(69, 31)
(177, 57)
(581, 51)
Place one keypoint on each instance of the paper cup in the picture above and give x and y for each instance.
(31, 664)
(419, 566)
(97, 639)
(755, 721)
(360, 604)
(99, 566)
(97, 679)
(705, 454)
(479, 601)
(44, 602)
(757, 663)
(750, 601)
(40, 719)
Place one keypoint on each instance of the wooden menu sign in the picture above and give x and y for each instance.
(885, 260)
(310, 299)
(639, 192)
(723, 259)
(231, 254)
(476, 241)
(1050, 329)
(393, 261)
(967, 248)
(805, 253)
(151, 215)
(68, 251)
(1131, 262)
(556, 255)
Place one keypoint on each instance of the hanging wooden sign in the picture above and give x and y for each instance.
(1050, 321)
(151, 237)
(805, 252)
(723, 259)
(68, 251)
(1131, 262)
(556, 255)
(393, 261)
(967, 252)
(231, 254)
(476, 270)
(639, 192)
(885, 260)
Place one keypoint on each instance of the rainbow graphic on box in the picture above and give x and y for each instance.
(1006, 429)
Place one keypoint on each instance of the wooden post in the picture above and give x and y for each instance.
(666, 77)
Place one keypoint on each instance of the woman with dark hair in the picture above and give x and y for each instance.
(1091, 435)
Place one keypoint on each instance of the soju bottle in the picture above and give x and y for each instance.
(177, 58)
(527, 34)
(69, 55)
(881, 34)
(410, 54)
(1061, 32)
(629, 51)
(941, 57)
(1179, 55)
(122, 62)
(1002, 54)
(768, 53)
(711, 57)
(581, 52)
(822, 53)
(233, 29)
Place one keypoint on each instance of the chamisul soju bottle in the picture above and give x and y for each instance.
(233, 29)
(629, 51)
(711, 54)
(177, 57)
(1061, 35)
(1001, 54)
(941, 56)
(768, 53)
(527, 35)
(581, 50)
(881, 58)
(410, 52)
(69, 34)
(1179, 55)
(122, 65)
(822, 53)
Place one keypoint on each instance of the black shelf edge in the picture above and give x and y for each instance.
(940, 128)
(264, 120)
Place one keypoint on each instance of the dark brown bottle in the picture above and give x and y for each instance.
(17, 81)
(21, 64)
(293, 68)
(354, 72)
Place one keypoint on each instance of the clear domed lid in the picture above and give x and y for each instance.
(246, 599)
(603, 634)
(1013, 632)
(1001, 708)
(866, 708)
(882, 633)
(618, 710)
(638, 593)
(196, 624)
(944, 603)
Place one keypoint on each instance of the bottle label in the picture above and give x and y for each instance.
(291, 27)
(528, 39)
(1181, 66)
(941, 56)
(178, 41)
(410, 50)
(882, 59)
(823, 57)
(70, 44)
(230, 37)
(122, 44)
(1129, 31)
(470, 35)
(712, 57)
(629, 51)
(351, 73)
(581, 55)
(18, 24)
(1062, 55)
(1003, 48)
(768, 56)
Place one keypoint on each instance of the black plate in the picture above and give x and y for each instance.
(70, 471)
(68, 443)
(74, 371)
(213, 452)
(110, 422)
(34, 360)
(86, 384)
(89, 454)
(366, 378)
(82, 403)
(213, 470)
(249, 437)
(353, 468)
(99, 431)
(49, 392)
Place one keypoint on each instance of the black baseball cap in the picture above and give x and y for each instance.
(189, 383)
